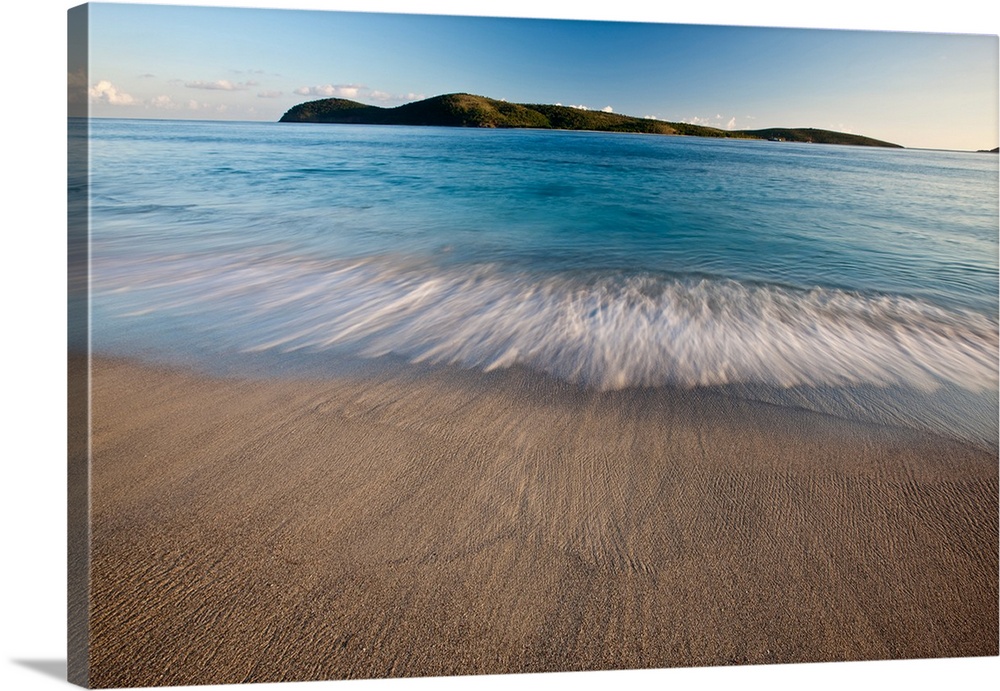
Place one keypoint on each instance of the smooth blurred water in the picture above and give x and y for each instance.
(608, 260)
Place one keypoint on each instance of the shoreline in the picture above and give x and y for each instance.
(949, 413)
(462, 523)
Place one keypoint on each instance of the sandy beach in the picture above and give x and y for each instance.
(457, 523)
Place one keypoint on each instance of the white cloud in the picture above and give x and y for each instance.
(270, 94)
(220, 85)
(607, 109)
(106, 92)
(356, 91)
(395, 98)
(578, 107)
(163, 102)
(718, 121)
(331, 90)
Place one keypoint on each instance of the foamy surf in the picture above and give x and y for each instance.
(601, 331)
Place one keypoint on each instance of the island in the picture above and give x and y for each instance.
(467, 110)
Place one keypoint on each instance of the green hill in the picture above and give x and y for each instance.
(466, 110)
(814, 136)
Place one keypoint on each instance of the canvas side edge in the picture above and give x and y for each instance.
(78, 349)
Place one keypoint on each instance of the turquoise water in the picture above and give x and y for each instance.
(857, 281)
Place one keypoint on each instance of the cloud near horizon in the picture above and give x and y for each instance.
(331, 90)
(398, 98)
(106, 92)
(163, 102)
(605, 109)
(716, 122)
(221, 85)
(356, 91)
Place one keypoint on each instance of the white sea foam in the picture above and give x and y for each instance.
(605, 331)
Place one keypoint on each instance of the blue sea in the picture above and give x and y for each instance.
(853, 281)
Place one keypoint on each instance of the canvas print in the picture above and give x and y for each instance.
(425, 345)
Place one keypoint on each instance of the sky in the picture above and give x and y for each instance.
(918, 89)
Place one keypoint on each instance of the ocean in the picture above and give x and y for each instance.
(852, 281)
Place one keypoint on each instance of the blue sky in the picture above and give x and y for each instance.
(916, 89)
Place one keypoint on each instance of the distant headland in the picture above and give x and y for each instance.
(466, 110)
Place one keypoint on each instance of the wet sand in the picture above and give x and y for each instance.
(455, 523)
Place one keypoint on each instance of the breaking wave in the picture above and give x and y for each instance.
(603, 331)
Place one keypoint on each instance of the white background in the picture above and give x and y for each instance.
(34, 316)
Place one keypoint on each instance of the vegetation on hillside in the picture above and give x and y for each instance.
(467, 110)
(814, 136)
